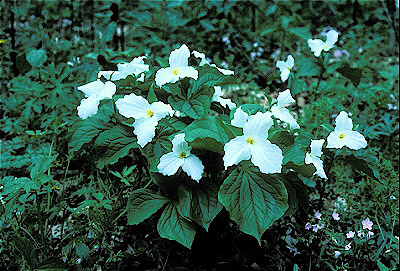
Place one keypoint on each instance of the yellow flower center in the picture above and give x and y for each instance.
(175, 71)
(182, 155)
(288, 68)
(341, 136)
(250, 140)
(310, 155)
(150, 113)
(326, 47)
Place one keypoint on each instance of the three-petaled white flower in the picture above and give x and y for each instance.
(146, 115)
(285, 67)
(254, 144)
(318, 45)
(181, 157)
(178, 67)
(94, 92)
(204, 60)
(344, 136)
(135, 67)
(278, 110)
(217, 97)
(314, 157)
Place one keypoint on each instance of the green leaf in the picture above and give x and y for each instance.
(36, 57)
(142, 203)
(267, 31)
(298, 86)
(27, 249)
(175, 227)
(81, 249)
(354, 74)
(294, 154)
(254, 200)
(297, 193)
(307, 67)
(41, 165)
(366, 164)
(382, 267)
(109, 31)
(302, 32)
(196, 107)
(151, 96)
(208, 77)
(117, 142)
(51, 264)
(250, 109)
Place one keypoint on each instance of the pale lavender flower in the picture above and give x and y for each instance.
(348, 246)
(370, 234)
(318, 215)
(253, 55)
(308, 226)
(360, 234)
(350, 234)
(367, 224)
(335, 215)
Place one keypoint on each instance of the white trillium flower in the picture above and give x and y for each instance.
(253, 144)
(318, 45)
(285, 67)
(278, 110)
(239, 118)
(181, 157)
(344, 136)
(135, 67)
(94, 92)
(146, 115)
(314, 157)
(217, 97)
(178, 67)
(205, 61)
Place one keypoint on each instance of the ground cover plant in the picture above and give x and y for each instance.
(199, 135)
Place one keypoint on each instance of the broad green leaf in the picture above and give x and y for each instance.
(307, 67)
(36, 57)
(286, 21)
(175, 227)
(302, 32)
(267, 31)
(51, 264)
(117, 142)
(209, 77)
(294, 154)
(354, 74)
(27, 249)
(82, 250)
(297, 193)
(298, 86)
(142, 203)
(250, 109)
(109, 31)
(195, 107)
(151, 96)
(254, 200)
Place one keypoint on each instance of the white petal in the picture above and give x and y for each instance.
(179, 145)
(343, 122)
(108, 90)
(281, 65)
(226, 72)
(258, 125)
(144, 129)
(316, 147)
(290, 61)
(169, 164)
(161, 110)
(227, 102)
(218, 93)
(308, 158)
(319, 166)
(285, 98)
(284, 115)
(105, 74)
(193, 166)
(266, 156)
(334, 140)
(187, 72)
(141, 78)
(331, 38)
(88, 107)
(132, 106)
(202, 56)
(354, 140)
(239, 118)
(316, 46)
(165, 75)
(285, 75)
(92, 88)
(236, 151)
(179, 57)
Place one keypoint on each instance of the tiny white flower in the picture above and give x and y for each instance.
(135, 67)
(314, 157)
(254, 144)
(318, 45)
(204, 61)
(344, 136)
(217, 97)
(94, 92)
(285, 67)
(337, 254)
(350, 234)
(146, 115)
(348, 246)
(181, 157)
(178, 67)
(278, 110)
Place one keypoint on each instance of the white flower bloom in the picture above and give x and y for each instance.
(178, 67)
(254, 144)
(217, 97)
(278, 110)
(135, 67)
(318, 45)
(181, 157)
(285, 67)
(344, 136)
(314, 157)
(94, 92)
(239, 118)
(146, 115)
(204, 61)
(337, 254)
